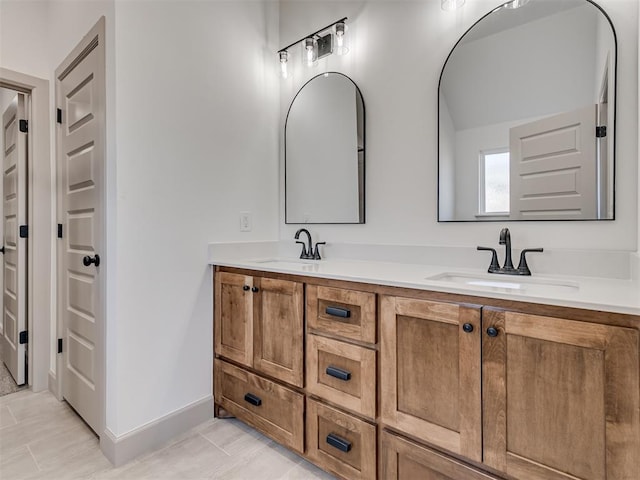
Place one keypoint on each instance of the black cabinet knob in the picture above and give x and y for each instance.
(88, 260)
(246, 288)
(254, 289)
(467, 327)
(492, 332)
(2, 250)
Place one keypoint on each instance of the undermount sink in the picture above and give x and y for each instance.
(510, 283)
(291, 264)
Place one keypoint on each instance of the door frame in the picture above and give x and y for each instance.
(40, 316)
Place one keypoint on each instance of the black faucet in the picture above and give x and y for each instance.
(507, 269)
(505, 239)
(306, 254)
(309, 253)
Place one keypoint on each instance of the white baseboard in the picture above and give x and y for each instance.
(53, 385)
(120, 450)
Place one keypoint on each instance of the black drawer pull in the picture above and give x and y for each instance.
(338, 312)
(253, 399)
(339, 443)
(338, 373)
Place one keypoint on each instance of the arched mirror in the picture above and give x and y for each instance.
(526, 116)
(324, 152)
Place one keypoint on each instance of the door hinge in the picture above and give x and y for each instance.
(601, 131)
(58, 115)
(23, 126)
(24, 231)
(59, 230)
(23, 337)
(59, 345)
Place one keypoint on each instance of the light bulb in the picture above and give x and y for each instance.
(309, 50)
(515, 4)
(451, 4)
(341, 48)
(284, 58)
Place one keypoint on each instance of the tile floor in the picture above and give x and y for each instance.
(41, 438)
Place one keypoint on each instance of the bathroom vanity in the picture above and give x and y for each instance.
(389, 378)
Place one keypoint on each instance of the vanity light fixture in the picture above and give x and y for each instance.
(317, 45)
(449, 5)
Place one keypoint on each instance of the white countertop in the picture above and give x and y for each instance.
(606, 294)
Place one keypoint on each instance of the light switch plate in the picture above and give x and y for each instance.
(245, 221)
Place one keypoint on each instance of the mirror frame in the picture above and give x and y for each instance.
(361, 174)
(613, 136)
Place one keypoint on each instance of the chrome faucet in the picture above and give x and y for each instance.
(507, 269)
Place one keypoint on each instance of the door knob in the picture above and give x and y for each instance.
(87, 260)
(467, 327)
(245, 288)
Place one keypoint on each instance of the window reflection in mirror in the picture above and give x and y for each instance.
(324, 152)
(535, 81)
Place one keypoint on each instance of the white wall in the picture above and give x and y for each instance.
(197, 130)
(398, 49)
(186, 166)
(25, 53)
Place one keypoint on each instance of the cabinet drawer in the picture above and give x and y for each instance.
(342, 373)
(271, 408)
(405, 460)
(340, 443)
(343, 312)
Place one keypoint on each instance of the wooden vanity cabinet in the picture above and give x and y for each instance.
(453, 390)
(560, 398)
(259, 324)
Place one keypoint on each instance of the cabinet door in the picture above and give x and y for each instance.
(278, 330)
(561, 398)
(405, 460)
(430, 372)
(234, 317)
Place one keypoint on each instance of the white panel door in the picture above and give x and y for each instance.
(15, 214)
(553, 167)
(80, 96)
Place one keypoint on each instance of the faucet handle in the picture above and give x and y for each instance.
(316, 253)
(523, 268)
(303, 255)
(494, 266)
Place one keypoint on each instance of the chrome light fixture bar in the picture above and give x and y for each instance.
(316, 45)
